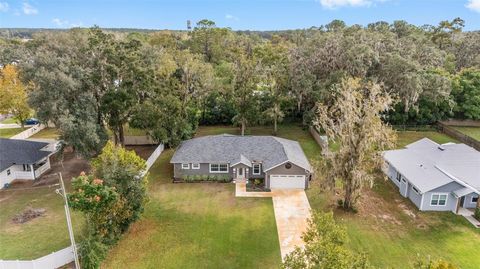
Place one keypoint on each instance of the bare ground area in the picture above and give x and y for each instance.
(143, 151)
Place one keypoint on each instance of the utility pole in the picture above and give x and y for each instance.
(63, 193)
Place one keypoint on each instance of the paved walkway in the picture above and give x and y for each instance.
(468, 214)
(241, 191)
(292, 211)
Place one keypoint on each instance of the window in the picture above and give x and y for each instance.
(8, 173)
(438, 199)
(399, 176)
(474, 199)
(256, 169)
(26, 167)
(185, 166)
(416, 190)
(218, 168)
(195, 166)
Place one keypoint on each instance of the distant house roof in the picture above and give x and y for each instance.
(429, 165)
(271, 151)
(15, 151)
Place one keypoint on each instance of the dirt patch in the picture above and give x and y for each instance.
(28, 214)
(71, 166)
(143, 151)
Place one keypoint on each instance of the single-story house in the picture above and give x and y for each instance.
(436, 177)
(280, 162)
(22, 159)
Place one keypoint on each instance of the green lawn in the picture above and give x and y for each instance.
(39, 236)
(473, 132)
(48, 133)
(9, 132)
(383, 227)
(198, 226)
(407, 137)
(8, 121)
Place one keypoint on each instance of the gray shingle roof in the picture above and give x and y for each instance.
(269, 150)
(15, 151)
(429, 165)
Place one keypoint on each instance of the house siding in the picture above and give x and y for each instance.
(392, 174)
(468, 201)
(414, 196)
(451, 200)
(178, 172)
(294, 170)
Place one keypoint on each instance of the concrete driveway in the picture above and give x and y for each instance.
(292, 211)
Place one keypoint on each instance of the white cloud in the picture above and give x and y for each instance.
(29, 9)
(4, 7)
(66, 23)
(473, 5)
(231, 17)
(59, 22)
(332, 4)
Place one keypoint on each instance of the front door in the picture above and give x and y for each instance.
(240, 173)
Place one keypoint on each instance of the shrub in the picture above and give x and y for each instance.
(477, 213)
(258, 181)
(92, 251)
(197, 177)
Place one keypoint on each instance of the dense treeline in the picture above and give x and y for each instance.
(86, 81)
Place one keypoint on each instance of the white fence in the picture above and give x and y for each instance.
(29, 132)
(151, 160)
(55, 260)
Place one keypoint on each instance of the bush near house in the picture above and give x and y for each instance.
(206, 178)
(477, 213)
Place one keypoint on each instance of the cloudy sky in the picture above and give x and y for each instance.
(237, 14)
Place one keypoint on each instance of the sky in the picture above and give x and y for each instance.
(236, 14)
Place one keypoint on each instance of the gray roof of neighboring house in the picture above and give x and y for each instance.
(428, 165)
(15, 151)
(271, 151)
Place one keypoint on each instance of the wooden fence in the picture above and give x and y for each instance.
(51, 261)
(139, 140)
(445, 127)
(321, 140)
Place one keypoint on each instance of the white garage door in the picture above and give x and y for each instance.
(287, 182)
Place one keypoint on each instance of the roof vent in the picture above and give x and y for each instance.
(441, 148)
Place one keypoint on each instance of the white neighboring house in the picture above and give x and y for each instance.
(23, 159)
(436, 177)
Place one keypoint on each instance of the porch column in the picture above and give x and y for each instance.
(33, 171)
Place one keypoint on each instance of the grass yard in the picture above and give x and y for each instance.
(45, 234)
(37, 237)
(473, 132)
(198, 226)
(388, 227)
(8, 121)
(47, 133)
(9, 132)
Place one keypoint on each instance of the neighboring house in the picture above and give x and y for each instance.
(280, 162)
(22, 159)
(436, 177)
